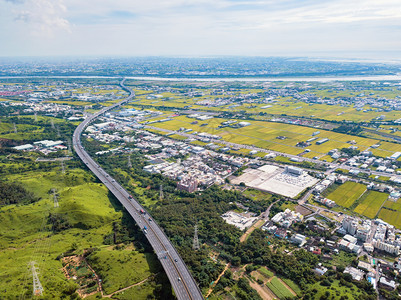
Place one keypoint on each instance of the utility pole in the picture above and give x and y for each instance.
(129, 165)
(161, 195)
(37, 286)
(195, 245)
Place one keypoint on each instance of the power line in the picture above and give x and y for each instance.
(34, 254)
(161, 195)
(195, 245)
(41, 248)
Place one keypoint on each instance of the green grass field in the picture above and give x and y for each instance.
(265, 272)
(24, 131)
(343, 259)
(346, 194)
(257, 195)
(143, 291)
(293, 286)
(390, 216)
(370, 205)
(122, 268)
(391, 213)
(26, 234)
(278, 288)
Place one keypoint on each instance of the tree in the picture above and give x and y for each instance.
(236, 261)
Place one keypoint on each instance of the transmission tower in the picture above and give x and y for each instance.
(55, 198)
(36, 116)
(129, 162)
(37, 286)
(161, 195)
(195, 245)
(15, 128)
(58, 131)
(69, 147)
(62, 167)
(52, 123)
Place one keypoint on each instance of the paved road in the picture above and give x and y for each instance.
(265, 215)
(181, 279)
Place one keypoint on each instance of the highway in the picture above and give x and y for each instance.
(180, 278)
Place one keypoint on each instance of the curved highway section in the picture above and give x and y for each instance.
(181, 279)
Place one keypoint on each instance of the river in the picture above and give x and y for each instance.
(231, 79)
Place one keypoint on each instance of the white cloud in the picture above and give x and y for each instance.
(44, 18)
(168, 27)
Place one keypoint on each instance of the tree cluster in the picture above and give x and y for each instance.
(14, 193)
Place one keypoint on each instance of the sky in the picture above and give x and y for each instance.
(314, 28)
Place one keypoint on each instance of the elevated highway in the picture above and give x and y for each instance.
(180, 278)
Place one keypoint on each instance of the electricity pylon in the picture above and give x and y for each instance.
(37, 286)
(69, 147)
(55, 198)
(129, 162)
